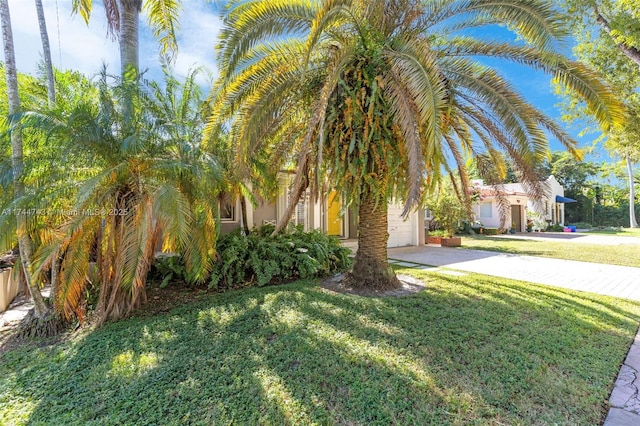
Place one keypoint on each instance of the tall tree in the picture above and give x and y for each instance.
(382, 99)
(17, 160)
(608, 38)
(123, 19)
(149, 179)
(626, 142)
(46, 54)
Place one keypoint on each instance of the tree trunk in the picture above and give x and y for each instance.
(632, 194)
(243, 211)
(630, 52)
(129, 16)
(17, 162)
(55, 270)
(46, 53)
(371, 269)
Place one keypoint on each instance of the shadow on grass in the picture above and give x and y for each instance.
(467, 350)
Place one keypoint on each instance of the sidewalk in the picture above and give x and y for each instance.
(610, 280)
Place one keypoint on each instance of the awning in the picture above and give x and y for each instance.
(560, 199)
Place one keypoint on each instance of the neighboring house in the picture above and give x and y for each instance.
(550, 208)
(326, 215)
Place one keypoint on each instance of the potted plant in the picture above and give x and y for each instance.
(435, 237)
(447, 211)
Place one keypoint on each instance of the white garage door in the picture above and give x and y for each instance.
(401, 231)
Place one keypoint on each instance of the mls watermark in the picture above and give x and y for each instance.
(65, 212)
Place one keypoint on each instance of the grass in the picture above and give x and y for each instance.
(620, 232)
(468, 350)
(623, 255)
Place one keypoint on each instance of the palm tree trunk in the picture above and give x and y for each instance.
(243, 212)
(17, 162)
(55, 273)
(129, 16)
(371, 269)
(46, 53)
(632, 194)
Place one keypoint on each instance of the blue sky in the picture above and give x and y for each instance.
(75, 45)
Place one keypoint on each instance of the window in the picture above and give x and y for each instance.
(227, 209)
(428, 215)
(486, 210)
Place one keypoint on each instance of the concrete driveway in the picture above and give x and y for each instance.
(572, 237)
(610, 280)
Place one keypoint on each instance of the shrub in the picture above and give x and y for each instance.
(260, 259)
(447, 210)
(555, 228)
(490, 231)
(582, 225)
(167, 268)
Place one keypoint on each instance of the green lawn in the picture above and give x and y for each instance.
(624, 255)
(620, 232)
(468, 350)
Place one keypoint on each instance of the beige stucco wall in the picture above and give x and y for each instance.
(8, 288)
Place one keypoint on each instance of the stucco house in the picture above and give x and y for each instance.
(326, 215)
(550, 208)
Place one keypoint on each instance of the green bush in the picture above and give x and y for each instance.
(582, 225)
(555, 228)
(260, 259)
(490, 231)
(168, 268)
(447, 210)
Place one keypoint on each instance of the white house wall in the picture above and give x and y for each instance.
(551, 211)
(492, 221)
(404, 232)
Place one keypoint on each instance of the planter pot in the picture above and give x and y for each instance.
(434, 240)
(445, 241)
(451, 242)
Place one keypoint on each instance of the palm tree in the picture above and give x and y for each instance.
(46, 53)
(17, 161)
(123, 19)
(382, 99)
(149, 181)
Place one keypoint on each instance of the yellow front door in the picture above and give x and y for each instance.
(334, 220)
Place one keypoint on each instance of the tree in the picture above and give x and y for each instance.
(148, 180)
(123, 19)
(46, 53)
(626, 143)
(576, 178)
(383, 99)
(609, 40)
(17, 161)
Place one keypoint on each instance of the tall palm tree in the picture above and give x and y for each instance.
(123, 19)
(17, 161)
(384, 98)
(46, 53)
(149, 180)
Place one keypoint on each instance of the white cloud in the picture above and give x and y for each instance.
(74, 45)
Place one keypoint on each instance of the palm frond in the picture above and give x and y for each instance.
(163, 16)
